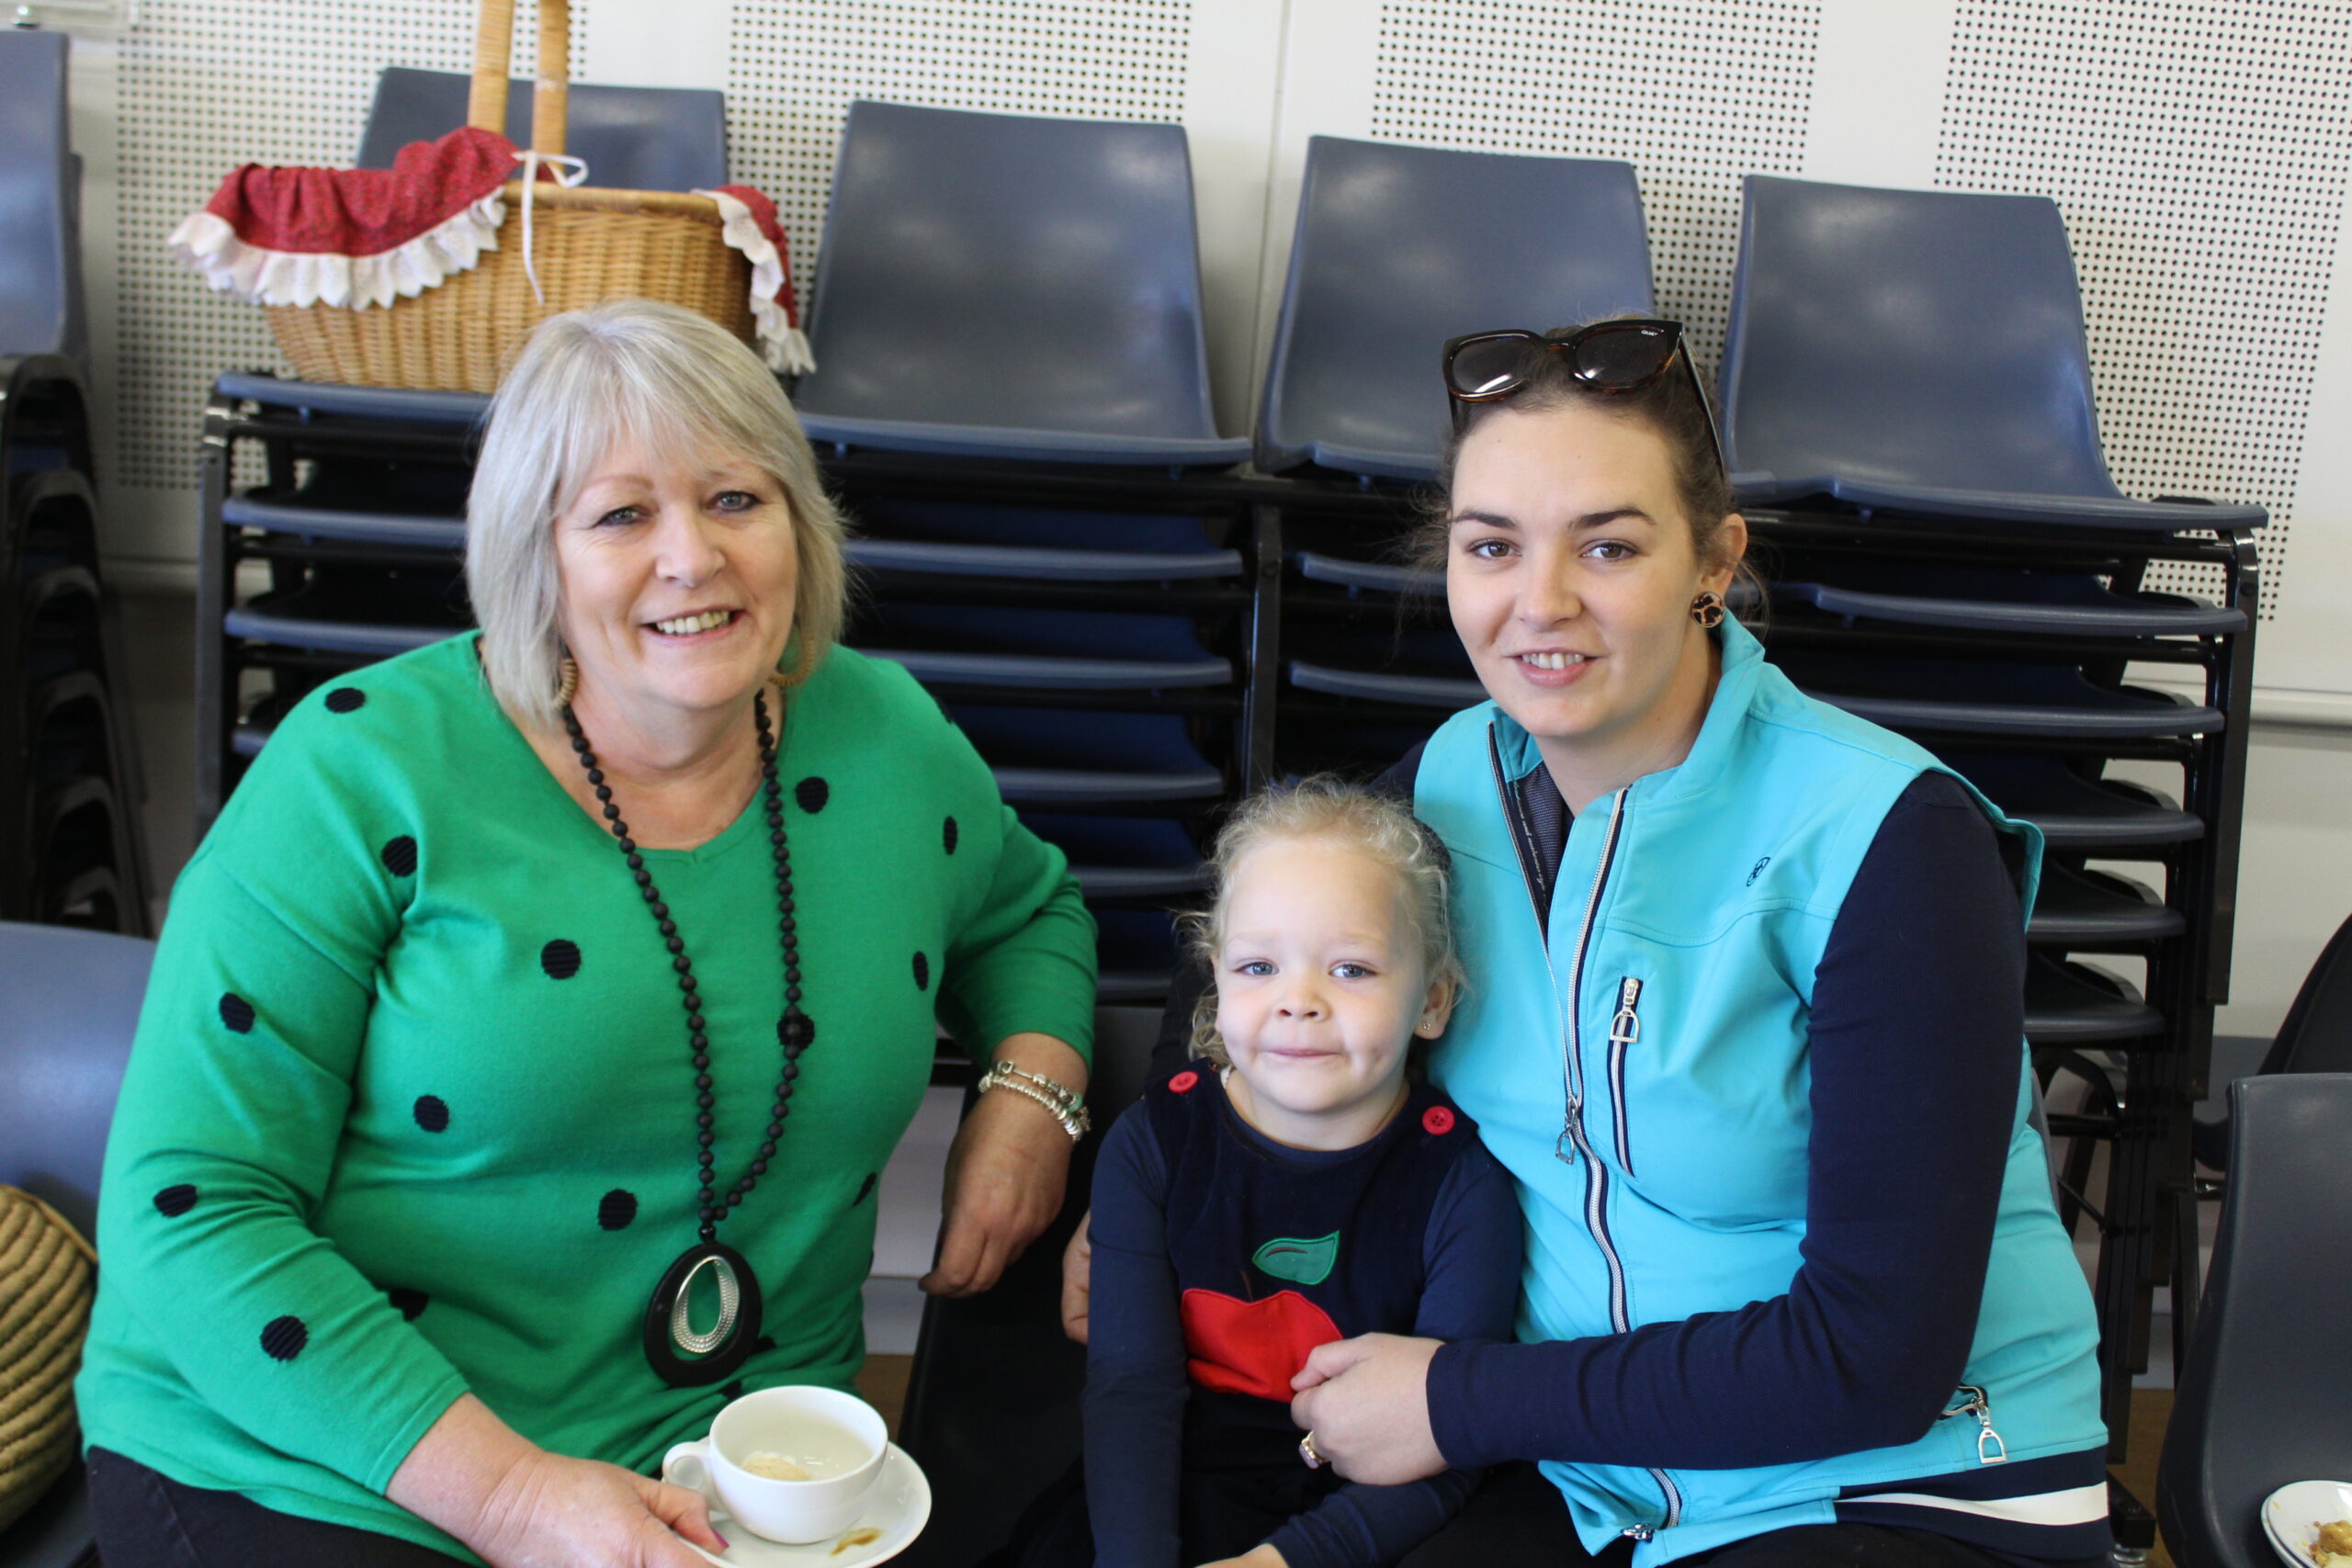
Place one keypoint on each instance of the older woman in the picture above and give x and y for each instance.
(537, 987)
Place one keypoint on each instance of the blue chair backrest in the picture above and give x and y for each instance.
(1400, 248)
(1009, 272)
(631, 138)
(2261, 1397)
(40, 286)
(1931, 338)
(69, 1006)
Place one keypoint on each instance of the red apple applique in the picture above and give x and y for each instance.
(1255, 1348)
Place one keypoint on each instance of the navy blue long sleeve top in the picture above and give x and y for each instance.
(1222, 1257)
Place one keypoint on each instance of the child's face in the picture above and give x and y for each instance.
(1321, 981)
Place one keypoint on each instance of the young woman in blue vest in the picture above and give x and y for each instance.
(1743, 1020)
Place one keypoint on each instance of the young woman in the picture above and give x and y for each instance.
(1744, 1020)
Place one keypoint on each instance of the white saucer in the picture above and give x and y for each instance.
(898, 1507)
(2293, 1515)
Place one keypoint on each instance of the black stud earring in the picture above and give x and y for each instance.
(1707, 609)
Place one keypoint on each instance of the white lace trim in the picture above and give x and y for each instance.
(782, 345)
(263, 277)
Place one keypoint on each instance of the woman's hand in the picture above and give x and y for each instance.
(518, 1505)
(1259, 1556)
(1366, 1400)
(1006, 1172)
(1077, 1277)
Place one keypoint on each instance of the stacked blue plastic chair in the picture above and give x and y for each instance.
(1907, 409)
(1397, 249)
(1012, 391)
(360, 518)
(72, 845)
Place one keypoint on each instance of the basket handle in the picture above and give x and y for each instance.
(494, 47)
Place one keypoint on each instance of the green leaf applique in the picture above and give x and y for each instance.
(1308, 1262)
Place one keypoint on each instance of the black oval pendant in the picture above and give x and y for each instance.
(671, 1342)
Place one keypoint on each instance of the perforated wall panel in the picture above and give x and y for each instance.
(207, 86)
(2199, 149)
(1692, 93)
(795, 65)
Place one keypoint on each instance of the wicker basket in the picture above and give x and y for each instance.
(588, 246)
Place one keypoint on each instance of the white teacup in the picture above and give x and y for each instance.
(839, 1440)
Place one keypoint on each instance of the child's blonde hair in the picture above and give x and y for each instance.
(1329, 807)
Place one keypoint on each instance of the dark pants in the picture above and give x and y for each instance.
(147, 1520)
(1516, 1518)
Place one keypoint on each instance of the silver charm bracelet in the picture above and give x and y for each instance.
(1066, 1105)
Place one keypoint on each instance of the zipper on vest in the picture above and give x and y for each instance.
(1571, 1145)
(1990, 1449)
(1624, 1032)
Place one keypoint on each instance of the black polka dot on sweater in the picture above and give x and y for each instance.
(813, 793)
(617, 1208)
(400, 856)
(174, 1202)
(922, 973)
(561, 959)
(346, 699)
(866, 1189)
(236, 1012)
(284, 1338)
(432, 1113)
(410, 1302)
(764, 1343)
(947, 833)
(733, 1392)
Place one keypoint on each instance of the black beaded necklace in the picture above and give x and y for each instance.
(683, 1356)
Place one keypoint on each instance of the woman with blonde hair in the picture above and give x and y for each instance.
(528, 1033)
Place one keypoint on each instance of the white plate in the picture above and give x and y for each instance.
(898, 1507)
(2293, 1515)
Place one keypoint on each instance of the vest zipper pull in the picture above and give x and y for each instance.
(1990, 1448)
(1625, 1029)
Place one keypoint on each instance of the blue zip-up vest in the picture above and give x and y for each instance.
(1644, 1074)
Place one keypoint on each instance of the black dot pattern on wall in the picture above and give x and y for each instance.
(346, 699)
(174, 1200)
(284, 1338)
(236, 1012)
(410, 1302)
(922, 973)
(947, 834)
(400, 856)
(617, 1208)
(561, 959)
(813, 793)
(432, 1113)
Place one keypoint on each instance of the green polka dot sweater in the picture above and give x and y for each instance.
(412, 1110)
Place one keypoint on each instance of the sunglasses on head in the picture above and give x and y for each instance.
(1607, 356)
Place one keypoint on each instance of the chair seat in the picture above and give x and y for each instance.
(2062, 605)
(1081, 786)
(1413, 465)
(1124, 859)
(293, 621)
(2071, 1004)
(1044, 672)
(1026, 562)
(1754, 489)
(1093, 448)
(1381, 577)
(2074, 813)
(459, 410)
(2023, 700)
(2085, 908)
(1448, 692)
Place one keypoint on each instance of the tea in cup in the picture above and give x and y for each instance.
(789, 1464)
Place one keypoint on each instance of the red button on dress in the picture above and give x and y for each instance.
(1182, 1082)
(1437, 1118)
